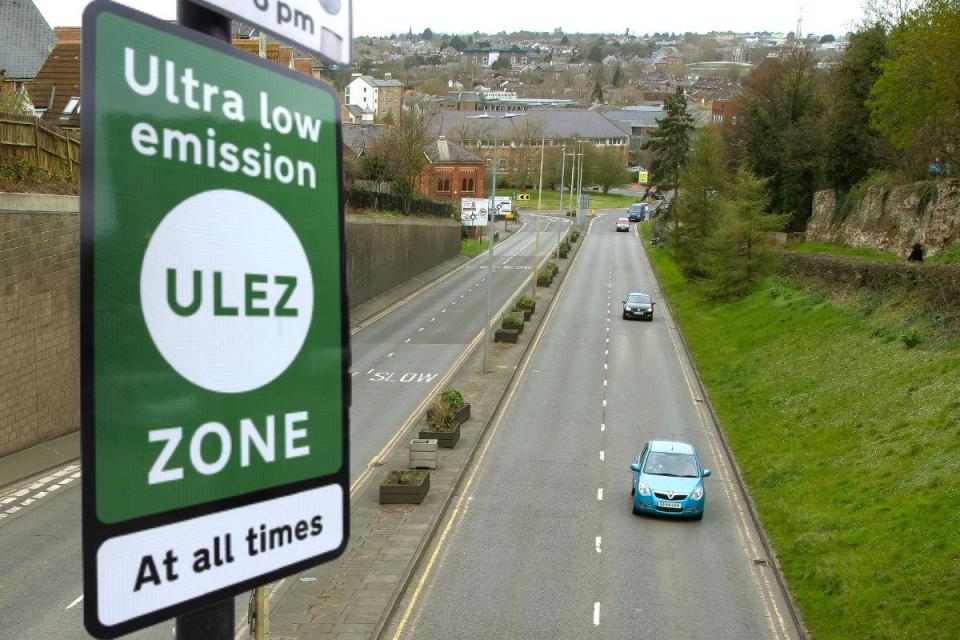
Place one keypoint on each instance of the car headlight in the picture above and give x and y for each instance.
(643, 489)
(697, 493)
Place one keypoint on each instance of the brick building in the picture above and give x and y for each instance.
(382, 97)
(451, 172)
(725, 112)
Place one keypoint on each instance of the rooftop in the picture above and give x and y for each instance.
(557, 123)
(25, 39)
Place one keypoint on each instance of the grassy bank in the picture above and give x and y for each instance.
(861, 252)
(844, 414)
(551, 200)
(471, 248)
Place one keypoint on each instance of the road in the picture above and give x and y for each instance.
(398, 361)
(540, 542)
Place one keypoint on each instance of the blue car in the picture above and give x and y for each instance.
(668, 480)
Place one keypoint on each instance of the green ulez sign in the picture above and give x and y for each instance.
(213, 325)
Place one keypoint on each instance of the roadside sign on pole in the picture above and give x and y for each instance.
(214, 329)
(473, 212)
(324, 27)
(523, 196)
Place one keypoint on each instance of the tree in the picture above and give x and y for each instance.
(617, 79)
(458, 43)
(853, 146)
(670, 142)
(597, 94)
(740, 252)
(502, 62)
(605, 167)
(564, 41)
(596, 53)
(427, 34)
(695, 212)
(916, 99)
(827, 38)
(401, 154)
(780, 134)
(523, 160)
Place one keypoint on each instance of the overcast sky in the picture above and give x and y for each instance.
(382, 17)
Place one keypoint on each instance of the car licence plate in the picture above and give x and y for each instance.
(663, 504)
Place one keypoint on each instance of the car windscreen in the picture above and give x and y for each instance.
(680, 465)
(638, 298)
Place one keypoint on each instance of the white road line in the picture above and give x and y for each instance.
(40, 494)
(407, 340)
(12, 510)
(600, 493)
(603, 427)
(390, 355)
(596, 614)
(75, 475)
(604, 383)
(27, 502)
(354, 374)
(606, 352)
(604, 402)
(53, 487)
(598, 544)
(66, 481)
(420, 329)
(433, 319)
(7, 500)
(601, 455)
(35, 485)
(21, 493)
(369, 372)
(74, 603)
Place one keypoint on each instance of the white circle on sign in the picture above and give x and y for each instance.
(247, 321)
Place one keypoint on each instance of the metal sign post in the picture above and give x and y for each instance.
(214, 328)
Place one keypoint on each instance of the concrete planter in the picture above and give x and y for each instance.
(518, 328)
(527, 313)
(423, 454)
(507, 335)
(460, 415)
(414, 493)
(446, 438)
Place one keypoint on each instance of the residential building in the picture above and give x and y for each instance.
(55, 91)
(25, 42)
(358, 140)
(725, 112)
(356, 115)
(381, 96)
(451, 172)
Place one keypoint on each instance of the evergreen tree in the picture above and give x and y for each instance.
(670, 142)
(597, 94)
(740, 252)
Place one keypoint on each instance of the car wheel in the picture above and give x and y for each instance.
(636, 511)
(624, 315)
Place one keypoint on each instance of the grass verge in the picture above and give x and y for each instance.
(470, 247)
(862, 252)
(845, 418)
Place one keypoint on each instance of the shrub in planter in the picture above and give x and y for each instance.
(544, 278)
(564, 249)
(442, 424)
(459, 407)
(409, 486)
(552, 268)
(574, 235)
(526, 302)
(513, 322)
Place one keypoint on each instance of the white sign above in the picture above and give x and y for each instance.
(324, 27)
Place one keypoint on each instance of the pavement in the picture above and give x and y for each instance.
(401, 356)
(540, 541)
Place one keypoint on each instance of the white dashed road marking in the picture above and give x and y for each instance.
(600, 493)
(596, 614)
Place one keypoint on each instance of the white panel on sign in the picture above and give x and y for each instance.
(157, 568)
(473, 212)
(322, 26)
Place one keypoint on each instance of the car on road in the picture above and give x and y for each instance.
(636, 212)
(638, 305)
(668, 480)
(623, 224)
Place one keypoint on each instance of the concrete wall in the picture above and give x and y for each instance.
(40, 301)
(39, 319)
(891, 219)
(384, 252)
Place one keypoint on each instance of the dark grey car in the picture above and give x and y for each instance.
(638, 305)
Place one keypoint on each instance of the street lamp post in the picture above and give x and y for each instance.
(491, 219)
(580, 189)
(563, 167)
(536, 253)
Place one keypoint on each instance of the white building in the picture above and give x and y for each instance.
(373, 94)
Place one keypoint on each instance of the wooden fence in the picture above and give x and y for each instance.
(49, 146)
